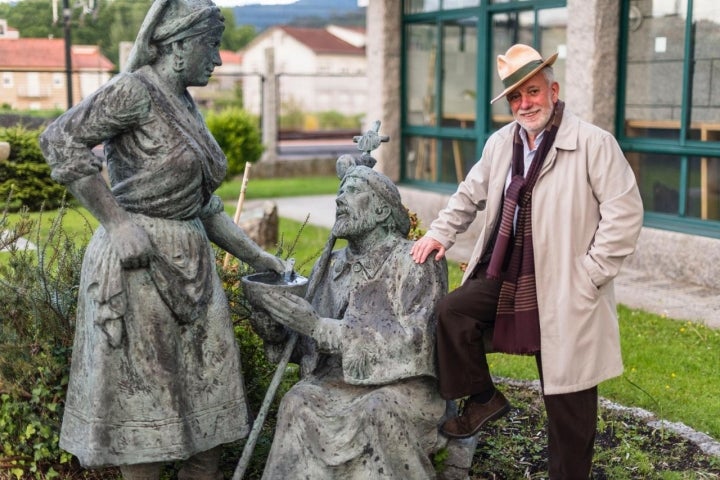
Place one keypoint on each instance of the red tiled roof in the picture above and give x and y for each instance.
(49, 54)
(321, 41)
(229, 57)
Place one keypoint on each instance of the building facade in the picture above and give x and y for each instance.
(646, 70)
(33, 71)
(317, 69)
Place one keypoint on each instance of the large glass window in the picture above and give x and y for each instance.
(672, 103)
(459, 72)
(449, 76)
(421, 41)
(417, 6)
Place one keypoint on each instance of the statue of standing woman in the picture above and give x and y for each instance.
(155, 373)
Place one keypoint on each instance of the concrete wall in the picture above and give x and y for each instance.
(679, 256)
(383, 75)
(591, 65)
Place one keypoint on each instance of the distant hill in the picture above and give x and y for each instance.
(302, 12)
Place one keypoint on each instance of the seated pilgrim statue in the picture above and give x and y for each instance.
(367, 406)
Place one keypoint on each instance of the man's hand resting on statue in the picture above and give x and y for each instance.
(424, 247)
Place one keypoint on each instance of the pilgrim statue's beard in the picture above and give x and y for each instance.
(351, 224)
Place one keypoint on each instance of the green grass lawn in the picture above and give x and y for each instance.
(670, 369)
(671, 365)
(278, 187)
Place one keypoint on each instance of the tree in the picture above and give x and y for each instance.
(33, 18)
(235, 37)
(121, 20)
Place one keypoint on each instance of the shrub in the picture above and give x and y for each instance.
(292, 116)
(26, 173)
(237, 133)
(37, 307)
(332, 120)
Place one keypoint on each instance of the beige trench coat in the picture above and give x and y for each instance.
(586, 217)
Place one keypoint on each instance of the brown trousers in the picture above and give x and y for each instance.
(463, 315)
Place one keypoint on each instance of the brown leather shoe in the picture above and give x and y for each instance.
(475, 415)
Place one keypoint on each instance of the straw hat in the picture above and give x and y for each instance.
(518, 64)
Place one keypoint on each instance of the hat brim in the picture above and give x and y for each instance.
(549, 61)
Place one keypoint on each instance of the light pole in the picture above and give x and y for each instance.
(67, 18)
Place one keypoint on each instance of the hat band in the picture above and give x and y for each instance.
(520, 73)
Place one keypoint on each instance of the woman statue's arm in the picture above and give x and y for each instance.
(130, 241)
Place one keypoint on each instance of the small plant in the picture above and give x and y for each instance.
(38, 291)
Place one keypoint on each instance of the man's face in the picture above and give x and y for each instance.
(354, 214)
(532, 103)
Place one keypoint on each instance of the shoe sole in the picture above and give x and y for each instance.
(500, 413)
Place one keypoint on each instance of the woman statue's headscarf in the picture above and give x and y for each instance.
(168, 21)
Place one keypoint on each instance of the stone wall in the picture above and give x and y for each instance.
(383, 73)
(283, 168)
(686, 258)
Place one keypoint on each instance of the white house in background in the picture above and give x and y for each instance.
(319, 69)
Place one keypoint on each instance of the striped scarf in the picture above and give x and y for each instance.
(517, 324)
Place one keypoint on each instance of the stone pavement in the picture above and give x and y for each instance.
(633, 288)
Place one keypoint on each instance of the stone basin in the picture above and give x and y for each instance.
(256, 284)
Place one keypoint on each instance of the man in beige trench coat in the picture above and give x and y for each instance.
(562, 212)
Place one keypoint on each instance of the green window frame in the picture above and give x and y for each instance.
(668, 113)
(436, 155)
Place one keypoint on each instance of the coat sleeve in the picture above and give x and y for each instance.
(621, 211)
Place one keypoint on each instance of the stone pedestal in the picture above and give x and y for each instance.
(260, 223)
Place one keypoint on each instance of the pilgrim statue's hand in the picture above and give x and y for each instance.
(292, 311)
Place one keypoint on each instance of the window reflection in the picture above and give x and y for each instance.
(460, 72)
(450, 4)
(419, 6)
(657, 177)
(421, 158)
(703, 196)
(420, 74)
(656, 64)
(705, 111)
(458, 156)
(422, 154)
